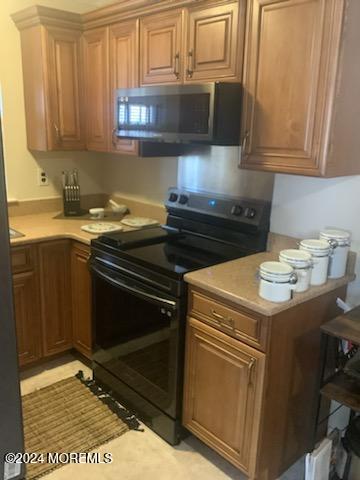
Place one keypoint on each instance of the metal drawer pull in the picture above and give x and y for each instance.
(250, 370)
(228, 321)
(113, 139)
(57, 131)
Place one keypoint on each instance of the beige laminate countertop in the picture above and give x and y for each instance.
(236, 282)
(43, 226)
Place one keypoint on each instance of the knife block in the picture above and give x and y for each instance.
(71, 205)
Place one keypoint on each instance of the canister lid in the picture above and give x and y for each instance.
(315, 246)
(338, 235)
(293, 255)
(276, 268)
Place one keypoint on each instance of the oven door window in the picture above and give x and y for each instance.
(136, 341)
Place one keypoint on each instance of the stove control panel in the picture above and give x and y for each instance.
(241, 210)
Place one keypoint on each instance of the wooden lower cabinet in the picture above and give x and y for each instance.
(55, 288)
(223, 391)
(27, 317)
(81, 299)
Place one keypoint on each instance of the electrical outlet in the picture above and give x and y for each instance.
(43, 179)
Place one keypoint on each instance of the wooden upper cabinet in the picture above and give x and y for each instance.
(51, 61)
(223, 393)
(96, 83)
(214, 42)
(55, 288)
(161, 48)
(289, 81)
(65, 81)
(124, 73)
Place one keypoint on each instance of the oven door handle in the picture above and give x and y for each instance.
(135, 290)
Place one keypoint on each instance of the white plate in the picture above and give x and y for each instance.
(101, 227)
(138, 222)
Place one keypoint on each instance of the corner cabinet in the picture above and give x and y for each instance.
(51, 60)
(55, 288)
(223, 390)
(298, 83)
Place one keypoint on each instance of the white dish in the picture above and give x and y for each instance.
(139, 222)
(101, 227)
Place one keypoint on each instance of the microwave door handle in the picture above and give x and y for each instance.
(137, 291)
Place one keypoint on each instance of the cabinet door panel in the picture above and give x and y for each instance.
(285, 83)
(223, 393)
(213, 43)
(81, 299)
(124, 60)
(27, 317)
(65, 96)
(55, 286)
(96, 89)
(160, 48)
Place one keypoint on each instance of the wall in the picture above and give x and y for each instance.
(21, 165)
(144, 179)
(302, 206)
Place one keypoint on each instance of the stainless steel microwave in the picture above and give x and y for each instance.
(206, 113)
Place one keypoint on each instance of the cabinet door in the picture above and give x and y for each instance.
(223, 393)
(81, 299)
(124, 72)
(27, 317)
(96, 89)
(214, 41)
(160, 48)
(285, 83)
(65, 122)
(55, 287)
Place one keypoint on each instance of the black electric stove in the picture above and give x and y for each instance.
(139, 297)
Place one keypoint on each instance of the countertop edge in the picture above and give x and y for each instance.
(274, 308)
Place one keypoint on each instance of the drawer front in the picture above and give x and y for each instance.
(250, 328)
(22, 259)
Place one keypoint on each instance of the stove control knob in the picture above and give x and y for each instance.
(250, 213)
(173, 197)
(237, 210)
(183, 199)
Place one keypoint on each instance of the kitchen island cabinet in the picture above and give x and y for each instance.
(251, 379)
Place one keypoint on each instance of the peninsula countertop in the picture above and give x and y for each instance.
(236, 281)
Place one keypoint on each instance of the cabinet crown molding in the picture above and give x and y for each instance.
(40, 15)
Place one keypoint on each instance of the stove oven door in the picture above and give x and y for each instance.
(138, 336)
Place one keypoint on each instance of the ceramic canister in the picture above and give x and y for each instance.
(339, 241)
(320, 251)
(301, 262)
(277, 281)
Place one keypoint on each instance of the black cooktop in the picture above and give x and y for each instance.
(168, 251)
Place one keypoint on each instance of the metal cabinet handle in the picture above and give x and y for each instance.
(57, 131)
(250, 370)
(113, 139)
(177, 66)
(243, 148)
(190, 70)
(228, 321)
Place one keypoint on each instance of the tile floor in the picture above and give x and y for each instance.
(140, 455)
